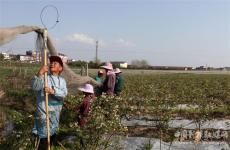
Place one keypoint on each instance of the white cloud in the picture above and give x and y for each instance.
(86, 39)
(122, 42)
(81, 38)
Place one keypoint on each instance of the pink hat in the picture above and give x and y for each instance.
(117, 70)
(110, 72)
(108, 66)
(88, 88)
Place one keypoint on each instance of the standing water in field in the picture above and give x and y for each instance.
(136, 143)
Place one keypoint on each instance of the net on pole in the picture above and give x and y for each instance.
(73, 79)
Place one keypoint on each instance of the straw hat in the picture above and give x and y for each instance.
(108, 66)
(117, 70)
(88, 88)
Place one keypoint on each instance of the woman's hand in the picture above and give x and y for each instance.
(49, 90)
(42, 70)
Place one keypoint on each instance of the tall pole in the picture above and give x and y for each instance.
(96, 59)
(45, 34)
(87, 67)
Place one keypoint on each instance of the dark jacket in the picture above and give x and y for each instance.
(109, 83)
(83, 110)
(98, 90)
(119, 84)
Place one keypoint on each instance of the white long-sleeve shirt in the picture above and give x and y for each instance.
(55, 102)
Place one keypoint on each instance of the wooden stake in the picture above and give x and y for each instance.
(87, 73)
(45, 34)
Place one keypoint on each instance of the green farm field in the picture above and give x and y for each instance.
(155, 93)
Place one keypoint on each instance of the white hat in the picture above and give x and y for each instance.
(117, 70)
(88, 88)
(108, 66)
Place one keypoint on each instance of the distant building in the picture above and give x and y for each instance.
(169, 68)
(120, 64)
(71, 60)
(224, 69)
(63, 57)
(6, 56)
(31, 56)
(200, 68)
(25, 58)
(35, 55)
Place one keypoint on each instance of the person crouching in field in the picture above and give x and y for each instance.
(99, 78)
(109, 83)
(57, 91)
(119, 81)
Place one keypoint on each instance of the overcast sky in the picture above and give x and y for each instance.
(163, 32)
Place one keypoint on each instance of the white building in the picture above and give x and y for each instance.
(25, 58)
(124, 65)
(36, 55)
(6, 56)
(120, 64)
(63, 57)
(32, 56)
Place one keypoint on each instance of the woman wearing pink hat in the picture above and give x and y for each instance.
(119, 81)
(109, 83)
(84, 108)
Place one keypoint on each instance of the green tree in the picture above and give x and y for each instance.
(78, 63)
(94, 64)
(1, 57)
(139, 63)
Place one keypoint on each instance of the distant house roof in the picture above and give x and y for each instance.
(118, 62)
(170, 67)
(61, 54)
(23, 55)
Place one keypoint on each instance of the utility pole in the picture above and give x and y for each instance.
(96, 59)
